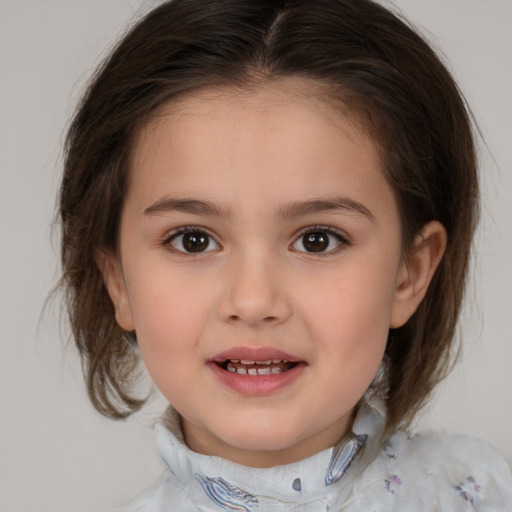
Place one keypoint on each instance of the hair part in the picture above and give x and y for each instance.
(364, 58)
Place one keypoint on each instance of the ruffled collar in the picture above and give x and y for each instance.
(235, 487)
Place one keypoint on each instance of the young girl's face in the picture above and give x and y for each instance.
(260, 266)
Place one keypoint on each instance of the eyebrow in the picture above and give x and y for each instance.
(193, 206)
(298, 209)
(295, 209)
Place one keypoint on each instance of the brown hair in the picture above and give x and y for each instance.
(379, 67)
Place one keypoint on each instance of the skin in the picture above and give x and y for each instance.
(253, 156)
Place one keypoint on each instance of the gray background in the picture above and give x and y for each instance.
(56, 453)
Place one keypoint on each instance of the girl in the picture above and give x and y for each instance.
(272, 204)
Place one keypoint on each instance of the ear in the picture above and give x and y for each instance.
(110, 268)
(416, 272)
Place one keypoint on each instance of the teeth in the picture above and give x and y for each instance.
(267, 367)
(265, 370)
(267, 362)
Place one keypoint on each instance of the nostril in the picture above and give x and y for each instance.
(267, 319)
(253, 310)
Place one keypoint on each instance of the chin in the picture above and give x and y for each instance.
(272, 437)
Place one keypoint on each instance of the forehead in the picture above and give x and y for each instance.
(280, 141)
(303, 95)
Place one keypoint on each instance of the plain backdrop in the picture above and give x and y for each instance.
(56, 453)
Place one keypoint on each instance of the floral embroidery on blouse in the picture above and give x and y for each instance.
(227, 497)
(342, 457)
(428, 471)
(468, 490)
(392, 483)
(390, 452)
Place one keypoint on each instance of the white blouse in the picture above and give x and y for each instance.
(427, 472)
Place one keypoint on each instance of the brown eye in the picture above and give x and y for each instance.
(319, 241)
(193, 242)
(315, 242)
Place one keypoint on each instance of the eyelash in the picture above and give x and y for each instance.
(341, 239)
(184, 230)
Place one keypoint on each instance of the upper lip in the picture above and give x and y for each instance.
(254, 354)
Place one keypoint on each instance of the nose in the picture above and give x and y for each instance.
(254, 292)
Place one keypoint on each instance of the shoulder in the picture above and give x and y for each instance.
(444, 451)
(453, 469)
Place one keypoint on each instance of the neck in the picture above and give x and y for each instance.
(201, 441)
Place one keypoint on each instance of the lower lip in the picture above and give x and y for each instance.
(256, 385)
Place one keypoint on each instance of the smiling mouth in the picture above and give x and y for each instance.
(268, 367)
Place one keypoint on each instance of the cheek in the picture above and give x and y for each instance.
(168, 329)
(169, 316)
(351, 319)
(361, 297)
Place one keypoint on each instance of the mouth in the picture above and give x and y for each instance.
(256, 371)
(267, 367)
